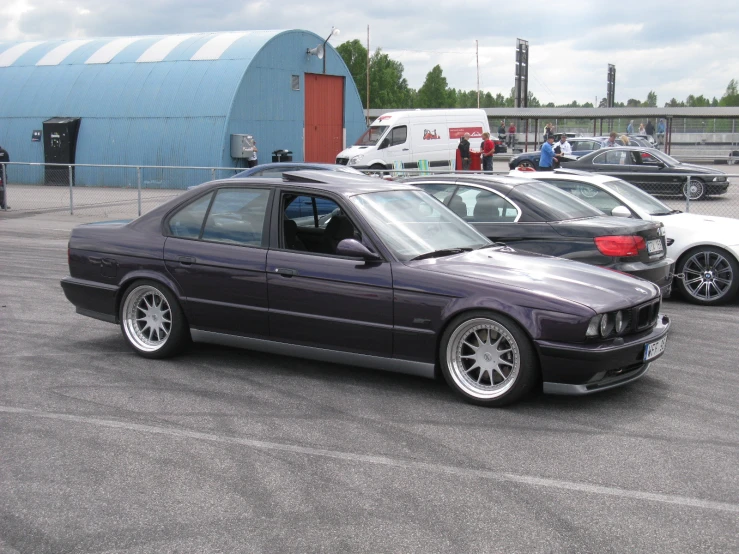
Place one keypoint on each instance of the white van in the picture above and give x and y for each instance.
(413, 135)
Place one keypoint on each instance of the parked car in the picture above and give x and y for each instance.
(580, 147)
(654, 171)
(395, 281)
(706, 248)
(535, 217)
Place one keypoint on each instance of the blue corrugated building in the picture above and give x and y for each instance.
(176, 100)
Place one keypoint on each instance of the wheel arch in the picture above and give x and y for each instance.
(149, 276)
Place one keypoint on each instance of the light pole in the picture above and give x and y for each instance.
(333, 32)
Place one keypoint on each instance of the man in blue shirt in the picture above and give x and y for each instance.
(630, 128)
(546, 161)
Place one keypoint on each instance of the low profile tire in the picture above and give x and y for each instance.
(710, 276)
(152, 321)
(488, 359)
(696, 189)
(526, 163)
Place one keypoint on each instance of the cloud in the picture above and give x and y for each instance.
(675, 48)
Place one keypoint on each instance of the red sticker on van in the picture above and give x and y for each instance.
(459, 132)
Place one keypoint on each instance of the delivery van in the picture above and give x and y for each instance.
(412, 135)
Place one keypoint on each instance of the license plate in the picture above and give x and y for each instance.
(654, 246)
(654, 349)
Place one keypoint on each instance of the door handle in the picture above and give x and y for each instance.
(186, 260)
(286, 272)
(406, 149)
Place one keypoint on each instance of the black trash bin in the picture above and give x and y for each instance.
(282, 156)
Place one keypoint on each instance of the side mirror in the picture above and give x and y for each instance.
(384, 144)
(621, 211)
(352, 248)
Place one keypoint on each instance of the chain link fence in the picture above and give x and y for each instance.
(124, 192)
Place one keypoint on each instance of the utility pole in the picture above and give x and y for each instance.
(368, 74)
(477, 59)
(521, 90)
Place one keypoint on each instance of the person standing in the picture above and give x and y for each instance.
(464, 151)
(253, 161)
(512, 135)
(546, 160)
(4, 158)
(612, 140)
(650, 129)
(630, 128)
(501, 131)
(488, 148)
(563, 147)
(661, 132)
(642, 131)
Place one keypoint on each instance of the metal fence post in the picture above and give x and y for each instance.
(5, 185)
(71, 194)
(138, 179)
(213, 174)
(687, 196)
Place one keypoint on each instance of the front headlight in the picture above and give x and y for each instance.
(606, 325)
(593, 326)
(356, 159)
(619, 322)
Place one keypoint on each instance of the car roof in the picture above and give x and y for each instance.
(302, 165)
(346, 184)
(500, 183)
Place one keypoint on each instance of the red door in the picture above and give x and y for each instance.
(324, 117)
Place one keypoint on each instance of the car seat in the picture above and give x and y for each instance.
(458, 206)
(338, 229)
(290, 235)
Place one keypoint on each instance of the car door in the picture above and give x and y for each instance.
(396, 146)
(653, 176)
(217, 253)
(318, 298)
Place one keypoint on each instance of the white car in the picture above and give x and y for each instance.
(706, 248)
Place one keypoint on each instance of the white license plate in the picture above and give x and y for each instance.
(654, 349)
(654, 246)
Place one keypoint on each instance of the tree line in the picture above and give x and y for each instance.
(390, 89)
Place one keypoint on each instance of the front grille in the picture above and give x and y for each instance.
(645, 316)
(342, 161)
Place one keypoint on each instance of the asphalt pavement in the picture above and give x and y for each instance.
(222, 450)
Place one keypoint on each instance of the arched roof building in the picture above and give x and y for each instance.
(176, 100)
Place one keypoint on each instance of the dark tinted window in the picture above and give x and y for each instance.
(549, 203)
(237, 216)
(483, 206)
(187, 222)
(398, 135)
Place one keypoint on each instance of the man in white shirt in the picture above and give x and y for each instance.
(563, 147)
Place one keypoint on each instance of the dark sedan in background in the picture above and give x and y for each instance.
(538, 217)
(580, 147)
(394, 280)
(654, 171)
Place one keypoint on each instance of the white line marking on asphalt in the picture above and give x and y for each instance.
(387, 461)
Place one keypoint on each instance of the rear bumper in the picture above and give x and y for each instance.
(93, 299)
(589, 368)
(660, 272)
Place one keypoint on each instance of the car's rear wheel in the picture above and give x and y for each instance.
(152, 320)
(709, 275)
(487, 359)
(696, 189)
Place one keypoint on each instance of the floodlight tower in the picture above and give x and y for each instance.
(521, 91)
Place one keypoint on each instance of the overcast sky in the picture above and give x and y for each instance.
(675, 48)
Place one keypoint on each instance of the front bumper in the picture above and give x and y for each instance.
(717, 188)
(588, 368)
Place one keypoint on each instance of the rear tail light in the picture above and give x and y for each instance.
(620, 246)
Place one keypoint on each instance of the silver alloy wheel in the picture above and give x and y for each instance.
(483, 358)
(147, 318)
(696, 189)
(707, 275)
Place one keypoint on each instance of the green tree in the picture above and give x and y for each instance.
(355, 58)
(388, 87)
(633, 103)
(731, 96)
(651, 99)
(433, 93)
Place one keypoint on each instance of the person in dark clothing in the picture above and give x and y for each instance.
(650, 128)
(4, 158)
(501, 131)
(464, 151)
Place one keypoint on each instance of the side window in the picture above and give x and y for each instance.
(398, 135)
(483, 206)
(237, 216)
(647, 158)
(275, 172)
(612, 157)
(440, 191)
(188, 222)
(314, 224)
(592, 195)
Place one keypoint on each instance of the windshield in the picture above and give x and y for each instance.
(550, 203)
(371, 136)
(638, 198)
(669, 160)
(412, 223)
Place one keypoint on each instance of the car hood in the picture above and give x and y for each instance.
(600, 289)
(721, 229)
(353, 151)
(698, 169)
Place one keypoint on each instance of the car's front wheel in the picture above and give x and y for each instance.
(708, 275)
(488, 359)
(526, 164)
(696, 189)
(152, 320)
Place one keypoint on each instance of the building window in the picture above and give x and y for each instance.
(295, 80)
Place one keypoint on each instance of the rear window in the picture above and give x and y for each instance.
(548, 203)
